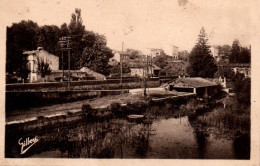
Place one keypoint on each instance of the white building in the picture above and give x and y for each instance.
(171, 50)
(34, 56)
(156, 52)
(144, 71)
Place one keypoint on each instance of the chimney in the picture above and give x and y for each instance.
(39, 49)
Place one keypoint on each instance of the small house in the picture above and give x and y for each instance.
(34, 56)
(201, 87)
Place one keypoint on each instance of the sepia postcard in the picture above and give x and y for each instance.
(112, 82)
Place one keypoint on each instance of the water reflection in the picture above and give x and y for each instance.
(159, 137)
(201, 141)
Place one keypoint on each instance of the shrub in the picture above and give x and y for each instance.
(86, 108)
(40, 117)
(227, 118)
(69, 113)
(116, 109)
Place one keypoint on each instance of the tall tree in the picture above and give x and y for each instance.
(49, 37)
(20, 37)
(202, 63)
(244, 55)
(76, 31)
(97, 56)
(235, 51)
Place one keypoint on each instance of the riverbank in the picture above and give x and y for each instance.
(26, 115)
(103, 130)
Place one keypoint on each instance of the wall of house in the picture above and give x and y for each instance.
(97, 76)
(39, 54)
(243, 70)
(137, 72)
(51, 59)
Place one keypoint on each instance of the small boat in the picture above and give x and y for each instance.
(135, 117)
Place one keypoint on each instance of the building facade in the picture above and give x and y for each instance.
(34, 57)
(242, 68)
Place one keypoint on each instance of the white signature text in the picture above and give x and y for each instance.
(27, 143)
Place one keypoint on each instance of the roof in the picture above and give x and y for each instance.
(123, 53)
(239, 65)
(155, 49)
(30, 52)
(144, 65)
(196, 82)
(66, 71)
(156, 67)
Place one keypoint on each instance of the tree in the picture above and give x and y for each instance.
(225, 71)
(242, 88)
(224, 53)
(202, 64)
(76, 31)
(183, 55)
(239, 54)
(64, 30)
(244, 55)
(161, 61)
(97, 56)
(87, 48)
(235, 51)
(43, 68)
(49, 37)
(116, 70)
(133, 53)
(20, 37)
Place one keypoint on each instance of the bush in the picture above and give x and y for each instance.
(227, 118)
(86, 108)
(40, 117)
(116, 109)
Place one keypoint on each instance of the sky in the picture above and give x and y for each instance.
(142, 24)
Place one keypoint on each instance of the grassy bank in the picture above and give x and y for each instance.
(227, 119)
(232, 118)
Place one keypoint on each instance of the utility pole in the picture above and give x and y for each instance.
(69, 68)
(65, 46)
(62, 65)
(121, 63)
(145, 76)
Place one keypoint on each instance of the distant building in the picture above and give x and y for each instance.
(115, 60)
(118, 57)
(171, 50)
(175, 51)
(243, 68)
(156, 52)
(34, 56)
(57, 76)
(183, 55)
(217, 53)
(142, 70)
(201, 87)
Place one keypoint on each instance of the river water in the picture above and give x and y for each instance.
(160, 137)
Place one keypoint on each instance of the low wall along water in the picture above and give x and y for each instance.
(19, 100)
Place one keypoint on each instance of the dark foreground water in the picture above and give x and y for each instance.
(161, 137)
